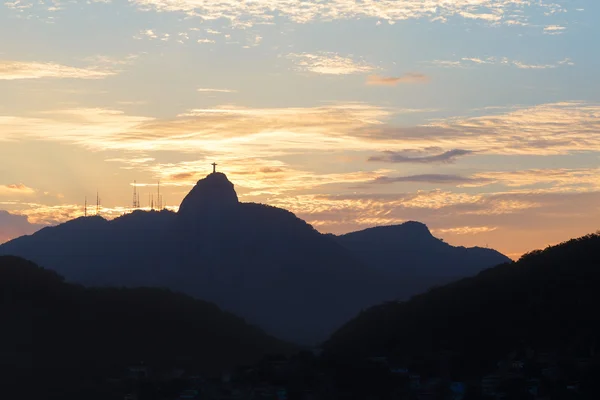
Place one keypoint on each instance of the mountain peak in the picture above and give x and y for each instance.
(406, 232)
(215, 192)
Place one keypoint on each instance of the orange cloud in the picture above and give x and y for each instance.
(329, 63)
(410, 77)
(13, 70)
(16, 189)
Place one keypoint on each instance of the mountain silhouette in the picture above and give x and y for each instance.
(547, 301)
(410, 253)
(60, 335)
(260, 262)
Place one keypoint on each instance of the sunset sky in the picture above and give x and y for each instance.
(480, 118)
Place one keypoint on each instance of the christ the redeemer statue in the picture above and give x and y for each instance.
(214, 167)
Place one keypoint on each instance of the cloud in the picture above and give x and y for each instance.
(402, 157)
(546, 129)
(207, 90)
(244, 133)
(15, 189)
(555, 180)
(183, 176)
(44, 214)
(270, 170)
(225, 130)
(329, 64)
(467, 62)
(258, 177)
(465, 230)
(410, 77)
(426, 178)
(249, 13)
(554, 30)
(13, 226)
(13, 70)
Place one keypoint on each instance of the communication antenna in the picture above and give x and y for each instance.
(136, 198)
(158, 199)
(97, 204)
(85, 207)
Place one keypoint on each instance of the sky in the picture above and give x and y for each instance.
(480, 118)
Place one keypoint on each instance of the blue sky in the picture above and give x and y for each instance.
(480, 118)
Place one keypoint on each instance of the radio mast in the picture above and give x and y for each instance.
(136, 196)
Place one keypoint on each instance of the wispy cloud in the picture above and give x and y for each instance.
(13, 70)
(425, 178)
(467, 62)
(408, 156)
(554, 30)
(226, 130)
(15, 189)
(249, 13)
(329, 63)
(410, 77)
(557, 180)
(559, 128)
(465, 230)
(209, 90)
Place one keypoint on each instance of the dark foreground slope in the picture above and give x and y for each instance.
(548, 300)
(418, 260)
(67, 333)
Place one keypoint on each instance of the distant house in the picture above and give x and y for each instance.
(429, 389)
(225, 377)
(533, 387)
(399, 370)
(139, 371)
(316, 351)
(281, 394)
(490, 384)
(458, 390)
(415, 382)
(573, 387)
(175, 373)
(379, 359)
(190, 394)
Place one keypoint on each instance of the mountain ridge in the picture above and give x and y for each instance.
(260, 262)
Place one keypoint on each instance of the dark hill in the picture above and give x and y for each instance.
(260, 262)
(410, 253)
(64, 331)
(547, 301)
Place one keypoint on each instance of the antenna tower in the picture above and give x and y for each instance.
(158, 199)
(85, 207)
(97, 204)
(136, 196)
